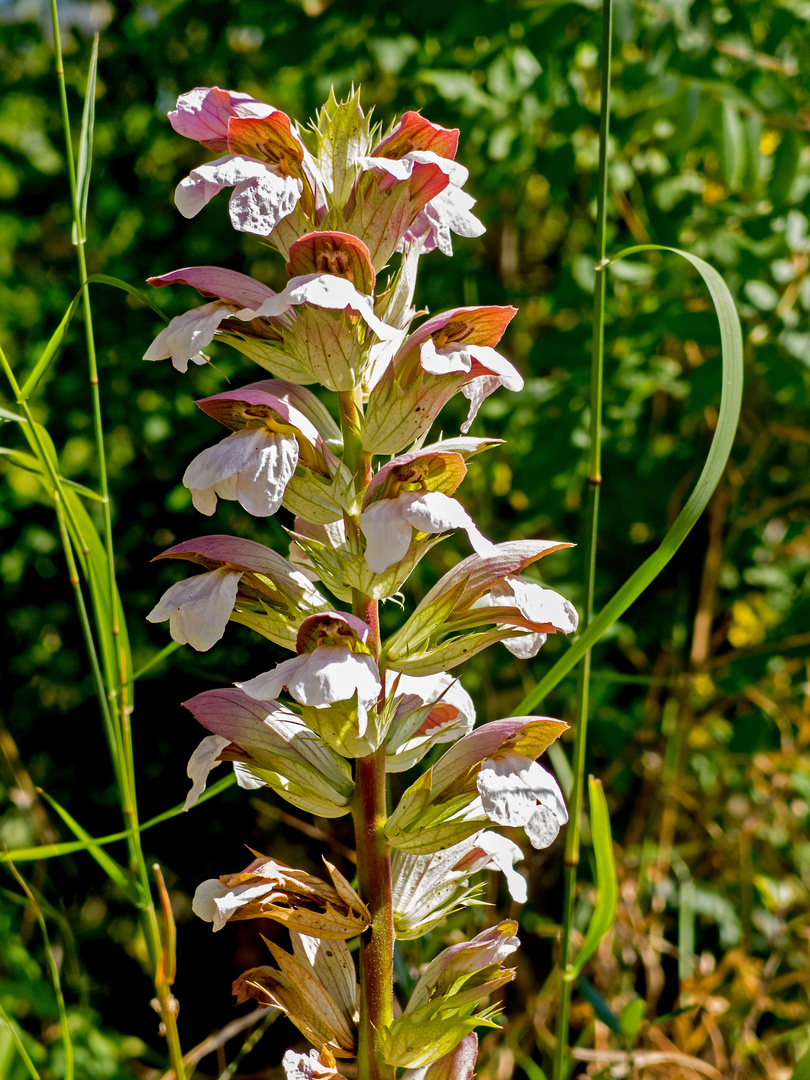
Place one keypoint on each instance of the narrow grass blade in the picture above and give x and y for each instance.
(56, 982)
(18, 1043)
(686, 929)
(165, 652)
(70, 847)
(731, 400)
(51, 349)
(114, 871)
(531, 1068)
(6, 415)
(606, 882)
(600, 1007)
(105, 279)
(86, 146)
(31, 464)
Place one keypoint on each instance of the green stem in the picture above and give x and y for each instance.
(116, 676)
(573, 836)
(369, 811)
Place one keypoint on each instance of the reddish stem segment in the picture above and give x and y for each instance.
(374, 883)
(370, 812)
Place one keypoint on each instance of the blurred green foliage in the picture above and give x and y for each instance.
(701, 725)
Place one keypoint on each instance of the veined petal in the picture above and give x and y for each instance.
(446, 213)
(267, 686)
(511, 785)
(200, 764)
(198, 609)
(402, 168)
(311, 1066)
(203, 113)
(502, 854)
(203, 183)
(542, 827)
(186, 334)
(433, 511)
(335, 673)
(253, 466)
(388, 534)
(324, 291)
(328, 674)
(538, 605)
(258, 204)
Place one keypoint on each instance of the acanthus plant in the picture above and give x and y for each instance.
(369, 497)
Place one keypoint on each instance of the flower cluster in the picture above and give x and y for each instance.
(338, 202)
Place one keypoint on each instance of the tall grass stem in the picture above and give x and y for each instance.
(116, 674)
(573, 836)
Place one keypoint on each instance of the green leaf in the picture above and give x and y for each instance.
(86, 145)
(6, 415)
(731, 399)
(785, 167)
(631, 1016)
(600, 1007)
(114, 871)
(802, 1070)
(51, 349)
(607, 884)
(733, 148)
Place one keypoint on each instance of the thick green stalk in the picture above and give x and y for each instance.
(573, 836)
(376, 961)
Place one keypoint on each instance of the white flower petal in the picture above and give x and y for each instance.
(334, 673)
(324, 291)
(268, 685)
(402, 168)
(537, 604)
(260, 203)
(188, 333)
(307, 1067)
(510, 787)
(433, 511)
(204, 903)
(506, 789)
(203, 183)
(388, 535)
(200, 764)
(198, 609)
(542, 827)
(503, 854)
(245, 778)
(253, 466)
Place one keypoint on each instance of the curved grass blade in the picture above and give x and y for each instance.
(52, 348)
(18, 1043)
(114, 871)
(56, 982)
(117, 283)
(70, 847)
(86, 147)
(732, 382)
(604, 913)
(31, 464)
